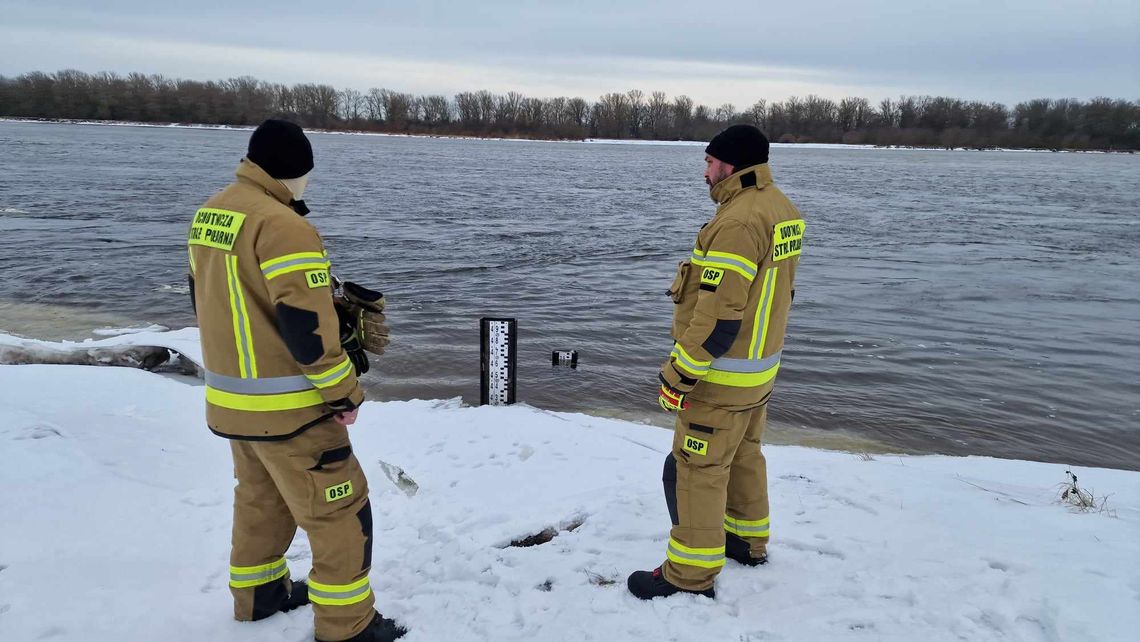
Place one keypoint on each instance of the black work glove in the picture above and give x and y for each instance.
(350, 339)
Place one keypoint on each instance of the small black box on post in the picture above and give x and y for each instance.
(498, 341)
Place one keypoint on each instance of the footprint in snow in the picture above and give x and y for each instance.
(825, 551)
(39, 431)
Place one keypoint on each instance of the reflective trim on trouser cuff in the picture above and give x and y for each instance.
(339, 594)
(702, 557)
(332, 376)
(264, 385)
(747, 528)
(264, 403)
(250, 576)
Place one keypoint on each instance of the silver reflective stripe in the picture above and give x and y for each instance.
(260, 575)
(695, 557)
(689, 364)
(264, 386)
(747, 365)
(340, 370)
(762, 311)
(720, 260)
(277, 267)
(748, 529)
(339, 595)
(235, 288)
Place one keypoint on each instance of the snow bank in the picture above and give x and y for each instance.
(124, 346)
(116, 510)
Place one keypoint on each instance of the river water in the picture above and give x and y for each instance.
(955, 302)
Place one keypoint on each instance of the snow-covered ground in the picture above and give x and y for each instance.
(116, 516)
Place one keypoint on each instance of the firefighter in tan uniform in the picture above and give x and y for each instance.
(732, 299)
(280, 386)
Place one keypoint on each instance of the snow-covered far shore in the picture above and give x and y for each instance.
(586, 141)
(116, 513)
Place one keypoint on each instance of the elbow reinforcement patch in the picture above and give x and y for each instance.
(299, 330)
(722, 337)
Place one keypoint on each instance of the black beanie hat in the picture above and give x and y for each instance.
(740, 146)
(281, 149)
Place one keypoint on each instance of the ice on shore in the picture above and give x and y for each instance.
(116, 517)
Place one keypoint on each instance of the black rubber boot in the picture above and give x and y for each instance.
(298, 597)
(647, 585)
(271, 599)
(380, 630)
(738, 549)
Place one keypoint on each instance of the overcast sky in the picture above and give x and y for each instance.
(716, 52)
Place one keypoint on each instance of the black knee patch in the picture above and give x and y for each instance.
(365, 517)
(193, 300)
(268, 598)
(669, 480)
(299, 330)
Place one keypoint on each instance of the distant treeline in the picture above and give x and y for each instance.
(1101, 123)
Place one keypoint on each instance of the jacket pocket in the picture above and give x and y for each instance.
(677, 289)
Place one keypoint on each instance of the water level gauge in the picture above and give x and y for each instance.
(498, 342)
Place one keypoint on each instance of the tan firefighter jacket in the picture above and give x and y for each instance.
(259, 279)
(733, 294)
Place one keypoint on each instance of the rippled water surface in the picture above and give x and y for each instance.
(956, 302)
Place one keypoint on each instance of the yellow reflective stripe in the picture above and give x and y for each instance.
(296, 267)
(742, 379)
(702, 557)
(250, 576)
(726, 260)
(763, 314)
(339, 594)
(732, 257)
(295, 262)
(190, 253)
(264, 403)
(332, 376)
(243, 336)
(686, 361)
(747, 528)
(318, 256)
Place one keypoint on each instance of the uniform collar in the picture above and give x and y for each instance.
(758, 176)
(250, 172)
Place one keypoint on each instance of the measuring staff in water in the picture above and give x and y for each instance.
(282, 359)
(732, 297)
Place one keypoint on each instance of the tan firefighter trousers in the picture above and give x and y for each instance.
(716, 482)
(312, 480)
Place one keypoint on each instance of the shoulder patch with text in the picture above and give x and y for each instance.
(711, 276)
(317, 278)
(215, 228)
(787, 239)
